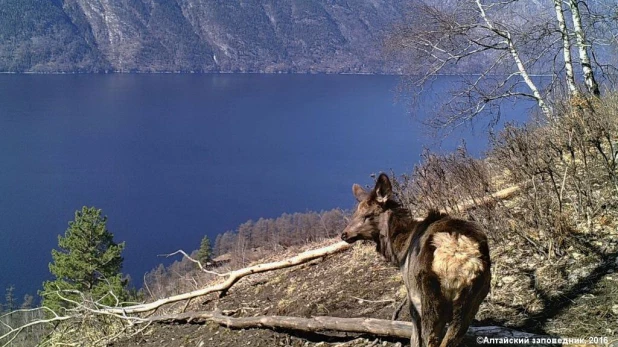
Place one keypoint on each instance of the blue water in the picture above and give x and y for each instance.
(170, 158)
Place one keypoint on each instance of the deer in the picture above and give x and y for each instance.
(444, 261)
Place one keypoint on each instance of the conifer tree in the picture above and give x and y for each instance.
(204, 254)
(88, 260)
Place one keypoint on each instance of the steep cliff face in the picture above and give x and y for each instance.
(198, 35)
(144, 36)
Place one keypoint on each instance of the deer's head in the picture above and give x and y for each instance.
(370, 212)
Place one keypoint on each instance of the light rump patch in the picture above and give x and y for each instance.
(456, 261)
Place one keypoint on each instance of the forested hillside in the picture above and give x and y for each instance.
(284, 231)
(196, 36)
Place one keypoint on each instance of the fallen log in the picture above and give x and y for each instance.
(503, 194)
(380, 327)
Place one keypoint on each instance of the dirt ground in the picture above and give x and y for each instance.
(574, 296)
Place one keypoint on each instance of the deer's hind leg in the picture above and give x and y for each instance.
(464, 310)
(435, 310)
(463, 314)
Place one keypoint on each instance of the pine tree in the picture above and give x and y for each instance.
(204, 254)
(88, 261)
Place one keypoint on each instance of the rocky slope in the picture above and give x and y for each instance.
(196, 35)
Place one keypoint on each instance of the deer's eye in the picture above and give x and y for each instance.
(367, 217)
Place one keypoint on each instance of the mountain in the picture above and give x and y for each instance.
(334, 36)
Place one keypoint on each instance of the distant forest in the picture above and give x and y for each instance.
(284, 231)
(250, 241)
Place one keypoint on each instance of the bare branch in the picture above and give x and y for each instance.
(15, 331)
(361, 300)
(235, 276)
(492, 40)
(193, 260)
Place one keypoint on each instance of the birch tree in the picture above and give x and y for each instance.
(493, 57)
(499, 49)
(505, 39)
(566, 48)
(598, 19)
(582, 48)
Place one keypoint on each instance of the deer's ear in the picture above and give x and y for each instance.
(359, 193)
(383, 189)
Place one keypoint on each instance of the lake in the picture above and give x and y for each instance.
(171, 158)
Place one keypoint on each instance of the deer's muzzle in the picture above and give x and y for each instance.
(345, 236)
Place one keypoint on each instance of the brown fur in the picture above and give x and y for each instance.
(444, 261)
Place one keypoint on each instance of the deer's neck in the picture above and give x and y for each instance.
(396, 229)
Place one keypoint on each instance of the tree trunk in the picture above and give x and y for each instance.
(520, 64)
(582, 46)
(566, 49)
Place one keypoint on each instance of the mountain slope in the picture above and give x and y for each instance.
(38, 36)
(195, 35)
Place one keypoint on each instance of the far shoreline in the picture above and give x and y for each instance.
(401, 74)
(196, 73)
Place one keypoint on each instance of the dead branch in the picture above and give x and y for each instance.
(13, 332)
(395, 315)
(314, 324)
(233, 277)
(361, 300)
(492, 198)
(503, 194)
(199, 264)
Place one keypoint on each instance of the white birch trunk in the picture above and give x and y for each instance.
(524, 74)
(520, 65)
(566, 49)
(582, 48)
